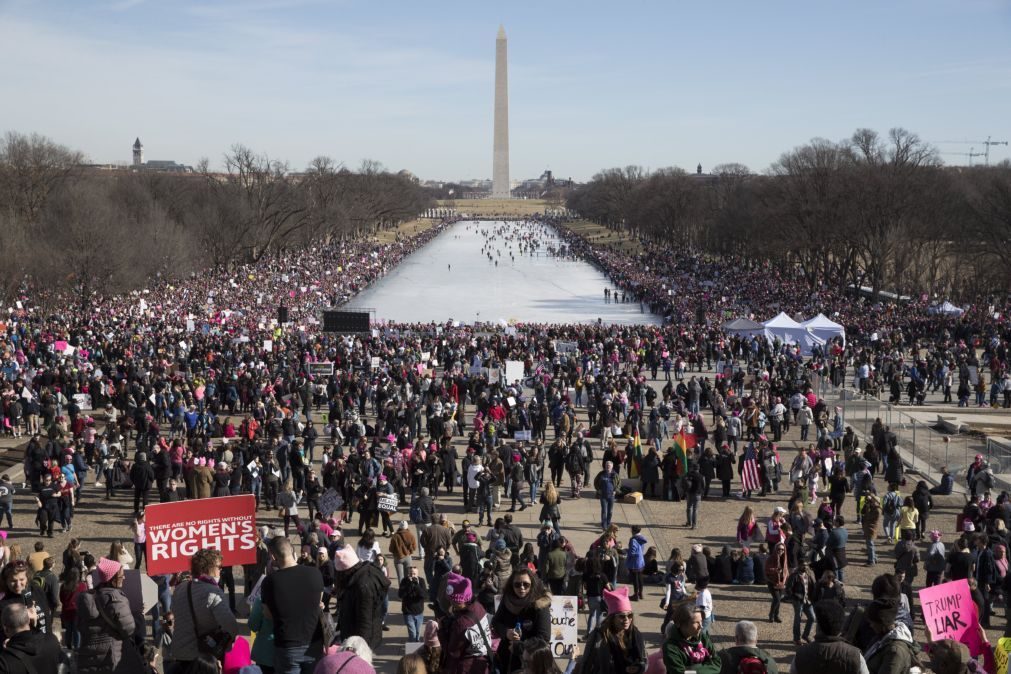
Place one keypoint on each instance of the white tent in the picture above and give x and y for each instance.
(743, 326)
(789, 331)
(946, 308)
(823, 327)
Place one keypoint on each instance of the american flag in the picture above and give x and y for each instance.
(751, 480)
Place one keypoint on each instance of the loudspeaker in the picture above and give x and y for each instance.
(282, 315)
(346, 321)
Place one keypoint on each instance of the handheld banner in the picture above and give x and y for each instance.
(176, 531)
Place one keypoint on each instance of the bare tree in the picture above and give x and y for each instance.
(31, 168)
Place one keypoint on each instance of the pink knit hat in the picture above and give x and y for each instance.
(458, 588)
(344, 662)
(432, 634)
(617, 601)
(237, 658)
(105, 570)
(345, 558)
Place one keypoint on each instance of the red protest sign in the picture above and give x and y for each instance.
(176, 531)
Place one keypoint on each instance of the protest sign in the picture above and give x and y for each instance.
(950, 613)
(59, 346)
(330, 501)
(493, 375)
(176, 531)
(522, 435)
(513, 371)
(564, 624)
(83, 401)
(1000, 655)
(321, 369)
(566, 347)
(140, 590)
(387, 503)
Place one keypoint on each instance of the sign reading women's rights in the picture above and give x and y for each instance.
(949, 613)
(176, 531)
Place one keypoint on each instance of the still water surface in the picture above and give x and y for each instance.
(453, 278)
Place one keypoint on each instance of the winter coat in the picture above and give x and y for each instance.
(534, 620)
(676, 657)
(746, 570)
(41, 650)
(894, 653)
(871, 516)
(465, 638)
(502, 562)
(361, 605)
(203, 481)
(599, 658)
(777, 570)
(101, 642)
(402, 544)
(635, 559)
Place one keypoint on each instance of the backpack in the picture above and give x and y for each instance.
(889, 506)
(414, 514)
(751, 664)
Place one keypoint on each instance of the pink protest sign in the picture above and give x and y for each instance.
(949, 613)
(60, 345)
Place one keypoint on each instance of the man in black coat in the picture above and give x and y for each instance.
(25, 648)
(142, 476)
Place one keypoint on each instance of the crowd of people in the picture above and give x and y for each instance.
(192, 389)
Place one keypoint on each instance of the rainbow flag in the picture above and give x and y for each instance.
(683, 442)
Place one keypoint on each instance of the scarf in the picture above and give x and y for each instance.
(515, 604)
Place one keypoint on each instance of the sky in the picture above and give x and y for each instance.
(592, 85)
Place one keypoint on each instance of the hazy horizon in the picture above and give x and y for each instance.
(592, 86)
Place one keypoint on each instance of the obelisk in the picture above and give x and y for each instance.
(500, 159)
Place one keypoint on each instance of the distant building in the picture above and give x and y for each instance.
(163, 165)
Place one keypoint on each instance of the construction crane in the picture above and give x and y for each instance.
(970, 154)
(987, 144)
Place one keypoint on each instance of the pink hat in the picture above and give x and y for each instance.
(345, 662)
(617, 601)
(458, 588)
(105, 570)
(237, 658)
(432, 634)
(345, 558)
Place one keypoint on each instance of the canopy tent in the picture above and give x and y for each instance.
(743, 326)
(825, 328)
(946, 308)
(789, 331)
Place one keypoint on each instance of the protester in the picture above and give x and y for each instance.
(617, 644)
(745, 655)
(200, 610)
(524, 613)
(105, 622)
(686, 647)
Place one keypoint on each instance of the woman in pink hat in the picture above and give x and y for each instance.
(104, 620)
(465, 634)
(617, 644)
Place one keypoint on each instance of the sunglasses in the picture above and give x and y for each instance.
(521, 584)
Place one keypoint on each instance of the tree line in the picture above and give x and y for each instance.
(870, 211)
(64, 226)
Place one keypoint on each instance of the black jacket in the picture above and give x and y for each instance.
(412, 594)
(828, 655)
(41, 650)
(361, 604)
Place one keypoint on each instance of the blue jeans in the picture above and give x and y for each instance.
(693, 510)
(293, 660)
(414, 622)
(807, 611)
(596, 615)
(606, 510)
(535, 484)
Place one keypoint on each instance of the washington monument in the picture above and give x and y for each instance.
(500, 164)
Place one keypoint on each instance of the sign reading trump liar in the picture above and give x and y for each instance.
(949, 613)
(176, 531)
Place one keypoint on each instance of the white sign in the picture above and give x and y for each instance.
(83, 401)
(566, 347)
(268, 345)
(522, 435)
(513, 371)
(564, 624)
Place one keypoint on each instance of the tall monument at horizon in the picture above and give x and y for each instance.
(500, 159)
